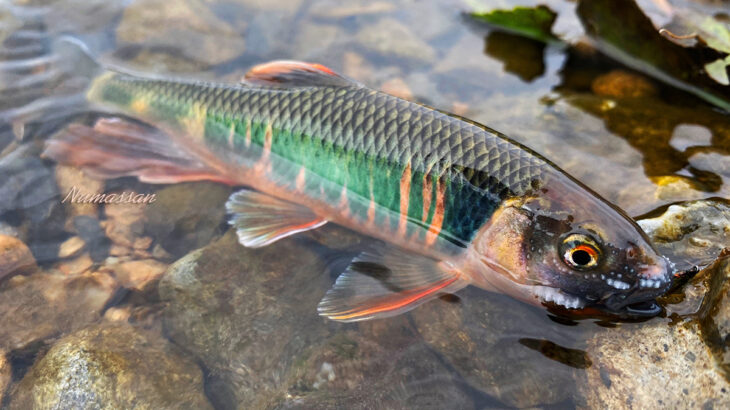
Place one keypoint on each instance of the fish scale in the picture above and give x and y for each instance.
(349, 137)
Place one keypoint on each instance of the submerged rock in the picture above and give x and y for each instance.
(90, 230)
(250, 316)
(714, 318)
(474, 333)
(71, 247)
(77, 265)
(655, 365)
(138, 274)
(45, 305)
(6, 373)
(188, 27)
(124, 223)
(683, 363)
(112, 366)
(246, 314)
(186, 216)
(15, 257)
(622, 84)
(381, 365)
(29, 196)
(72, 180)
(391, 38)
(692, 233)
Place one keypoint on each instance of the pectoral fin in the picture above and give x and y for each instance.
(386, 283)
(261, 219)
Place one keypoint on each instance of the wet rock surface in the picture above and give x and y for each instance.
(652, 366)
(71, 247)
(111, 366)
(6, 373)
(680, 361)
(186, 216)
(29, 201)
(138, 274)
(15, 257)
(472, 333)
(692, 233)
(622, 84)
(383, 365)
(45, 305)
(258, 307)
(715, 315)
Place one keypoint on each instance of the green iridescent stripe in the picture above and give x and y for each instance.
(358, 138)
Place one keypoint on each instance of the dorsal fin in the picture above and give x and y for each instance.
(286, 73)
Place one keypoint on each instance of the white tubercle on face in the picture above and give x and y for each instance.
(548, 294)
(618, 284)
(650, 283)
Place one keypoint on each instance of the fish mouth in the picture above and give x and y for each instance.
(639, 302)
(568, 305)
(617, 300)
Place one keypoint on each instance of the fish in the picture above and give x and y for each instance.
(451, 202)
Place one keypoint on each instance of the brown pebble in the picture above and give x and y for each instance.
(117, 250)
(622, 84)
(124, 224)
(397, 87)
(117, 314)
(459, 108)
(141, 254)
(142, 243)
(158, 252)
(15, 257)
(71, 247)
(77, 265)
(355, 66)
(137, 274)
(6, 373)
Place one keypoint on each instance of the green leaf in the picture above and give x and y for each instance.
(620, 29)
(532, 22)
(717, 70)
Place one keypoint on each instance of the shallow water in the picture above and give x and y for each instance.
(231, 327)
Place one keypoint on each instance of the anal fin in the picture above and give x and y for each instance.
(115, 147)
(386, 283)
(261, 219)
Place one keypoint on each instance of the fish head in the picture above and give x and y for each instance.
(574, 252)
(588, 262)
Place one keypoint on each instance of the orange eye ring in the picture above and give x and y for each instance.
(580, 252)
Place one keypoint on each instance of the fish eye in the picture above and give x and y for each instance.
(580, 251)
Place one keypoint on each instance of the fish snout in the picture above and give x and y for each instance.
(640, 300)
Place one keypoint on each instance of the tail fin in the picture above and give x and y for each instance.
(42, 77)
